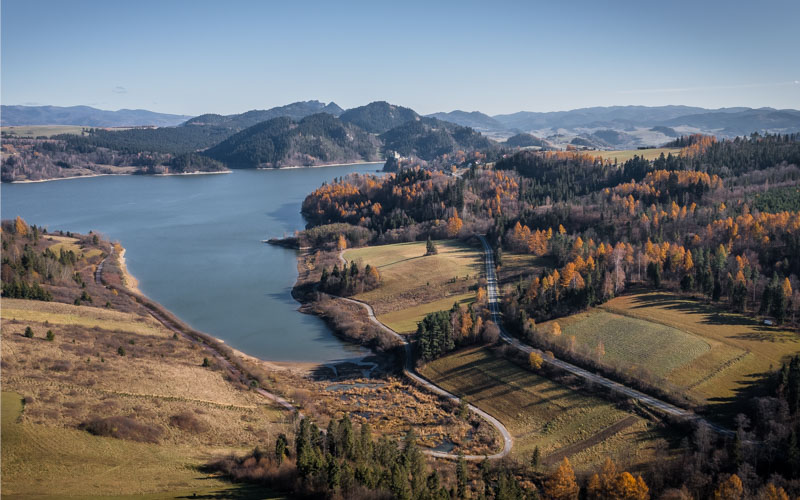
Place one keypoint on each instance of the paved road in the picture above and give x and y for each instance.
(494, 307)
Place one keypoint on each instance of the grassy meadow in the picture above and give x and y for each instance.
(540, 412)
(413, 284)
(625, 155)
(183, 414)
(714, 354)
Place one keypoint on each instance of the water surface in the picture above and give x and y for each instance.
(194, 244)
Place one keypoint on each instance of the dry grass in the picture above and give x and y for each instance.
(658, 348)
(742, 349)
(540, 412)
(410, 279)
(42, 130)
(625, 155)
(51, 461)
(405, 320)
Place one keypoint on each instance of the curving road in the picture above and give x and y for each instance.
(408, 370)
(663, 406)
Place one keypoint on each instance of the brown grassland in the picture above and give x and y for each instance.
(541, 412)
(413, 284)
(717, 356)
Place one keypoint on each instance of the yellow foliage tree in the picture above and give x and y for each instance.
(556, 329)
(770, 492)
(466, 324)
(535, 360)
(454, 225)
(561, 485)
(20, 226)
(341, 243)
(730, 489)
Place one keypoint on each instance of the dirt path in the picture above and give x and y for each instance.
(601, 436)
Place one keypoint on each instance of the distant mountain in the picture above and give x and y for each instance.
(474, 119)
(524, 140)
(428, 138)
(317, 139)
(85, 116)
(379, 117)
(741, 122)
(618, 116)
(295, 111)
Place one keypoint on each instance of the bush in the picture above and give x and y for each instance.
(28, 332)
(50, 335)
(121, 351)
(123, 428)
(188, 422)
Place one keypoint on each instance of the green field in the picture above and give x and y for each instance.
(540, 412)
(625, 155)
(413, 284)
(42, 461)
(658, 348)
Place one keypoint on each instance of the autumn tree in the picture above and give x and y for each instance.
(561, 485)
(535, 360)
(730, 489)
(20, 226)
(454, 225)
(341, 243)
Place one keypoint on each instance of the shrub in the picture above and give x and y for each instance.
(188, 422)
(28, 332)
(123, 428)
(121, 351)
(50, 335)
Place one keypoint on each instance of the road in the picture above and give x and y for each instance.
(494, 308)
(410, 372)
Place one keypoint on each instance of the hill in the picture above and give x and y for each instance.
(295, 111)
(475, 119)
(86, 116)
(428, 138)
(379, 117)
(742, 122)
(525, 141)
(314, 140)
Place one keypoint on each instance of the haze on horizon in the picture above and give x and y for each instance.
(188, 57)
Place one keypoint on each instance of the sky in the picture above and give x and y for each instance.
(192, 57)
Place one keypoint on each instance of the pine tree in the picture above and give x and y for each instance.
(430, 247)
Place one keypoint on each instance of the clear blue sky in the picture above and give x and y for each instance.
(192, 57)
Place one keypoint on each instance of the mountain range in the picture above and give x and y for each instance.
(85, 116)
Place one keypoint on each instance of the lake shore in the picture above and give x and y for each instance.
(116, 175)
(302, 368)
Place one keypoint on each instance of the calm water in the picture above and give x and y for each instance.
(194, 244)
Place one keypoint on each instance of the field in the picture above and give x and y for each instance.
(658, 348)
(625, 155)
(543, 413)
(185, 413)
(48, 130)
(405, 320)
(714, 354)
(40, 460)
(42, 130)
(413, 284)
(66, 243)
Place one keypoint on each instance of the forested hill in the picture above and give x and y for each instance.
(314, 140)
(295, 111)
(428, 138)
(379, 117)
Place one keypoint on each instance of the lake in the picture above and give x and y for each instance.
(194, 244)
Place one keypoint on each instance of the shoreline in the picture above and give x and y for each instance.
(28, 181)
(299, 367)
(229, 171)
